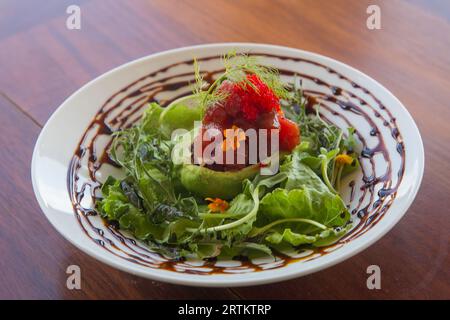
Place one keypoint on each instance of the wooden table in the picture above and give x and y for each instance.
(42, 62)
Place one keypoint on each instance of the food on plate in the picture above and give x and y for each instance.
(245, 166)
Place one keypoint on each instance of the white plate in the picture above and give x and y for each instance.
(373, 105)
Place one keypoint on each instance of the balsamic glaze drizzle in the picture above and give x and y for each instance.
(111, 118)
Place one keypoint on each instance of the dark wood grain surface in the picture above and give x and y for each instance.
(42, 62)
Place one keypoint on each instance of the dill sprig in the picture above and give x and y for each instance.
(205, 95)
(200, 84)
(237, 66)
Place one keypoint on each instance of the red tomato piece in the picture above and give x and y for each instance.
(289, 134)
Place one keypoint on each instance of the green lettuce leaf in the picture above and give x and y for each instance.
(115, 206)
(248, 249)
(303, 195)
(324, 238)
(290, 237)
(302, 210)
(307, 203)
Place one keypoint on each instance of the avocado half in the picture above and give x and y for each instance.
(203, 181)
(180, 114)
(199, 180)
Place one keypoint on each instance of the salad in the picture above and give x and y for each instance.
(243, 167)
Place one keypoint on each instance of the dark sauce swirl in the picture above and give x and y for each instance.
(124, 108)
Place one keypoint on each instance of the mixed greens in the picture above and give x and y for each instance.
(297, 206)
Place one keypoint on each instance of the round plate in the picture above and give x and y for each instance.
(65, 176)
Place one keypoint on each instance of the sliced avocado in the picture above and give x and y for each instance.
(180, 114)
(205, 182)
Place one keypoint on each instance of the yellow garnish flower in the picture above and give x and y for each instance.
(233, 138)
(217, 205)
(344, 159)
